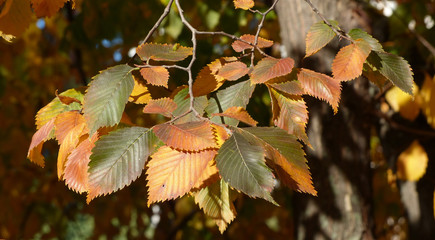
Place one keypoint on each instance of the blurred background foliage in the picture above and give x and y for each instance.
(67, 49)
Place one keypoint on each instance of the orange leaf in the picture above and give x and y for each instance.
(243, 4)
(190, 136)
(268, 68)
(140, 93)
(238, 113)
(348, 63)
(208, 176)
(76, 168)
(42, 135)
(233, 71)
(172, 173)
(163, 52)
(16, 16)
(321, 86)
(164, 106)
(47, 8)
(240, 46)
(156, 75)
(221, 134)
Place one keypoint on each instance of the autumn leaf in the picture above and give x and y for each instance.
(242, 166)
(320, 86)
(163, 52)
(67, 100)
(216, 201)
(290, 115)
(286, 155)
(208, 176)
(221, 134)
(172, 173)
(140, 93)
(106, 97)
(183, 105)
(318, 36)
(47, 8)
(164, 106)
(349, 61)
(243, 4)
(240, 46)
(426, 101)
(238, 113)
(412, 163)
(15, 17)
(42, 135)
(403, 103)
(118, 159)
(233, 71)
(268, 68)
(293, 87)
(76, 168)
(191, 136)
(357, 33)
(158, 76)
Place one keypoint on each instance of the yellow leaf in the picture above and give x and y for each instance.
(243, 4)
(427, 102)
(403, 103)
(47, 8)
(221, 134)
(155, 75)
(140, 93)
(348, 64)
(412, 163)
(15, 17)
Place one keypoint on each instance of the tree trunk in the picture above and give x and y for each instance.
(340, 158)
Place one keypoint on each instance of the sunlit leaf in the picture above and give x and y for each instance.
(412, 163)
(233, 71)
(394, 68)
(183, 105)
(67, 100)
(240, 46)
(243, 4)
(216, 201)
(290, 87)
(163, 52)
(290, 115)
(318, 36)
(106, 97)
(47, 8)
(238, 113)
(220, 133)
(349, 61)
(242, 166)
(427, 102)
(208, 176)
(191, 136)
(403, 103)
(118, 159)
(286, 154)
(237, 95)
(140, 93)
(172, 173)
(320, 86)
(42, 135)
(357, 33)
(76, 168)
(164, 106)
(158, 76)
(16, 16)
(268, 68)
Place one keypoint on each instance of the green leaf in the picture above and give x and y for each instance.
(318, 36)
(286, 154)
(106, 97)
(242, 165)
(183, 103)
(394, 68)
(56, 107)
(237, 95)
(373, 42)
(163, 52)
(216, 201)
(118, 159)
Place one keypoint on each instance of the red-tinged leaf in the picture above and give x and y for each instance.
(47, 8)
(42, 135)
(321, 86)
(238, 113)
(190, 136)
(268, 68)
(67, 100)
(243, 4)
(163, 52)
(233, 71)
(290, 115)
(65, 122)
(349, 61)
(291, 87)
(240, 46)
(158, 76)
(164, 106)
(172, 173)
(318, 36)
(207, 80)
(76, 168)
(140, 93)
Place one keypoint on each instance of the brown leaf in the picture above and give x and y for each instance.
(16, 16)
(268, 68)
(349, 61)
(240, 46)
(67, 100)
(47, 8)
(233, 71)
(238, 113)
(158, 76)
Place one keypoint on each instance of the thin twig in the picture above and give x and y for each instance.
(403, 128)
(165, 66)
(339, 32)
(157, 24)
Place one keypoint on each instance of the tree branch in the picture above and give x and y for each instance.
(157, 24)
